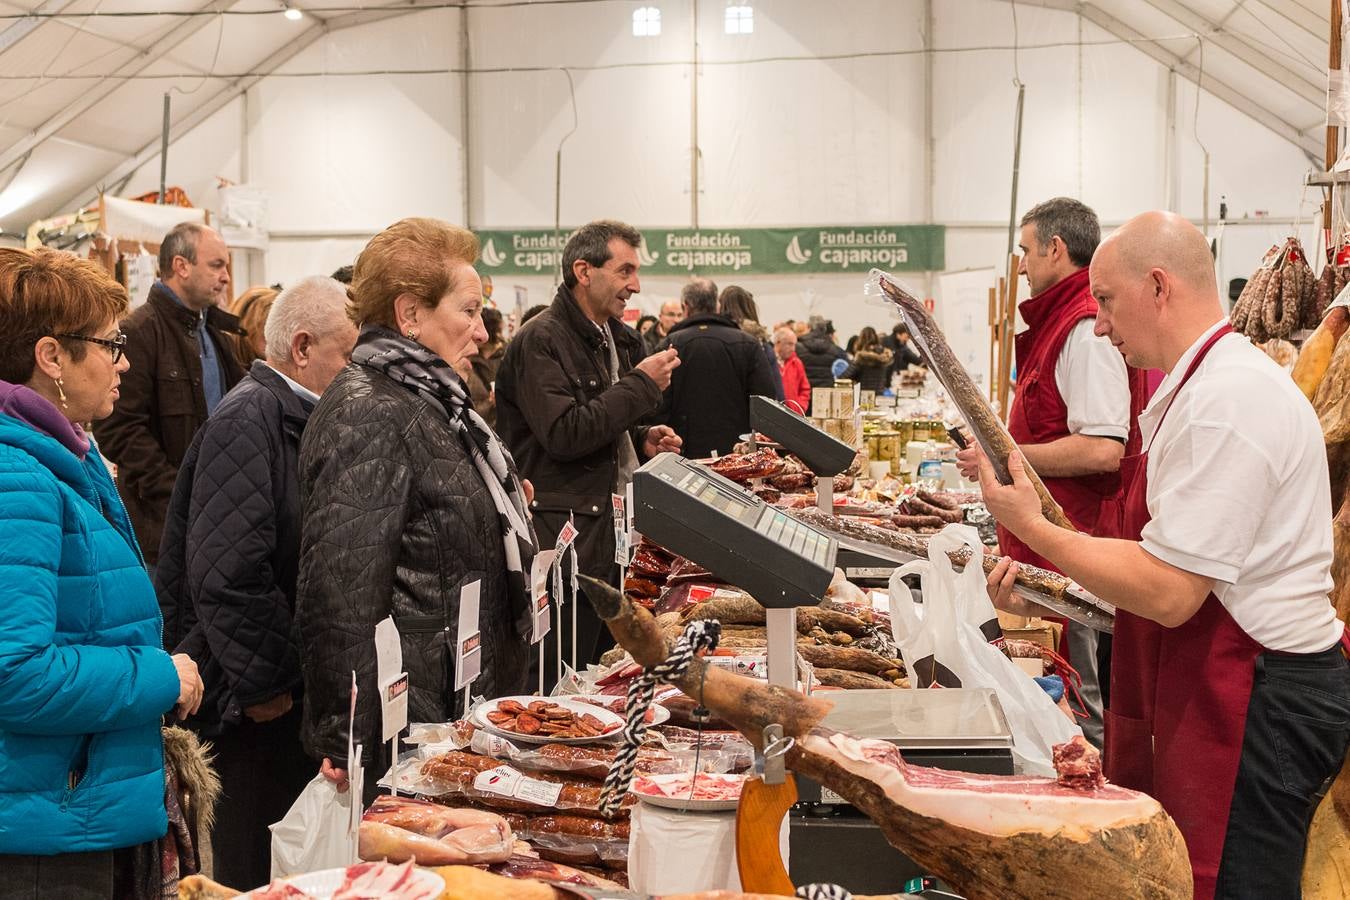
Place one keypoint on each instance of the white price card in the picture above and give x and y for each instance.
(539, 598)
(391, 679)
(621, 535)
(567, 535)
(468, 639)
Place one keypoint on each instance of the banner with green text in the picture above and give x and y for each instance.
(833, 249)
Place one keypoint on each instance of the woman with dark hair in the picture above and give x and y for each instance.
(871, 362)
(84, 681)
(410, 503)
(738, 305)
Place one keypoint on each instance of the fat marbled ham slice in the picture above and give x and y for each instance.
(991, 837)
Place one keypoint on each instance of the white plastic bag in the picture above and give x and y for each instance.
(945, 645)
(316, 831)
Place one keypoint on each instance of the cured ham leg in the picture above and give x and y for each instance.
(989, 836)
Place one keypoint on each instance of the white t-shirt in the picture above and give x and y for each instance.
(1090, 375)
(1238, 492)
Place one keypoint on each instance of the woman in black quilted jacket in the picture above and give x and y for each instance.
(411, 504)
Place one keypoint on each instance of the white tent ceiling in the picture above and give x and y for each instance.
(82, 81)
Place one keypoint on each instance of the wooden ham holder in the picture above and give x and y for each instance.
(766, 798)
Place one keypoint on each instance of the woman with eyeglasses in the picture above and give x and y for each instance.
(83, 679)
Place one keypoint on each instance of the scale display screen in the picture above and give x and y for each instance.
(693, 511)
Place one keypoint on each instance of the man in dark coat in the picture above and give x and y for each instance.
(182, 363)
(903, 352)
(708, 401)
(571, 405)
(818, 351)
(227, 572)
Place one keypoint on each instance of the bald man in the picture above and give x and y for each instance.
(1230, 697)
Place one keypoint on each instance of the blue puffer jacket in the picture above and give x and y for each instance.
(83, 680)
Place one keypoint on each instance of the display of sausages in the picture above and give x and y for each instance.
(743, 467)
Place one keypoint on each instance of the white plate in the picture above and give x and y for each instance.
(682, 802)
(659, 713)
(321, 885)
(606, 717)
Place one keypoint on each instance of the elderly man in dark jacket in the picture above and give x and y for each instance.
(708, 401)
(182, 364)
(571, 400)
(227, 571)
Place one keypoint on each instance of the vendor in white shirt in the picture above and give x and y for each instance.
(1230, 698)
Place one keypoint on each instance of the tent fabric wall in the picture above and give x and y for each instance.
(818, 117)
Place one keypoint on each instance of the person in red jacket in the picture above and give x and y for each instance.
(1075, 410)
(796, 389)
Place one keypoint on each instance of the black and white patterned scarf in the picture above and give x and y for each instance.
(418, 369)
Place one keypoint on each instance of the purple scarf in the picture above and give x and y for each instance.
(31, 408)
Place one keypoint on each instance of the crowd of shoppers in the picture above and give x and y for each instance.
(289, 473)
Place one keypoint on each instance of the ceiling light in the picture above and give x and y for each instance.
(293, 14)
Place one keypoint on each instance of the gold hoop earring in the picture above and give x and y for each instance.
(61, 392)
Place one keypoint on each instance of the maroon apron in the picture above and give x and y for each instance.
(1179, 698)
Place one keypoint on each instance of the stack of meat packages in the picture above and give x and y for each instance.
(549, 794)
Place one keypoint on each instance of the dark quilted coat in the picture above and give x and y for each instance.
(231, 549)
(396, 522)
(818, 351)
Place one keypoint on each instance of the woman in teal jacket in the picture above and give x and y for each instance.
(83, 679)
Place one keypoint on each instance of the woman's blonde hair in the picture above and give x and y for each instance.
(252, 307)
(46, 292)
(413, 256)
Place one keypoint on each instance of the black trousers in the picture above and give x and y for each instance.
(1298, 728)
(262, 770)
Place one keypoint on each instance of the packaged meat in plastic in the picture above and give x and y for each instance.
(544, 870)
(457, 775)
(398, 829)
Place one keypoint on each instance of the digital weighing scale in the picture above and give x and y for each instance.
(781, 562)
(825, 455)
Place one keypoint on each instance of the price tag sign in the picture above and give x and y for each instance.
(394, 705)
(391, 679)
(539, 598)
(566, 536)
(621, 550)
(468, 639)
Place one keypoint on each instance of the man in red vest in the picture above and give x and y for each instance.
(1072, 410)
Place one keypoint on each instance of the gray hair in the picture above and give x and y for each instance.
(317, 305)
(1072, 222)
(591, 243)
(699, 296)
(180, 241)
(784, 333)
